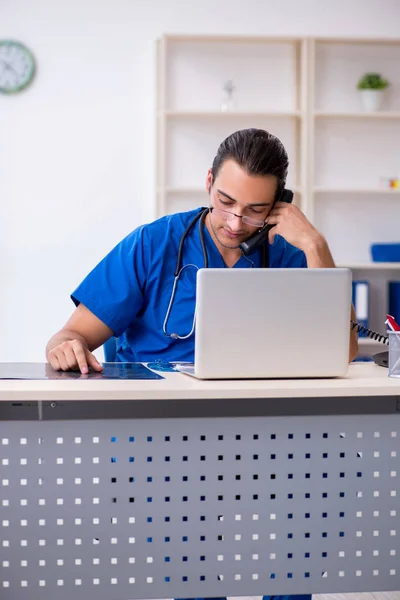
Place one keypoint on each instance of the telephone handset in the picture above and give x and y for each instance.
(258, 238)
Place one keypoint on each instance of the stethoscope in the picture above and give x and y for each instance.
(201, 216)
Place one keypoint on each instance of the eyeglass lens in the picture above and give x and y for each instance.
(228, 216)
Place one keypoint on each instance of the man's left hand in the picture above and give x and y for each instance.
(292, 224)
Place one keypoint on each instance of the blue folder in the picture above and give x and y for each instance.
(394, 299)
(360, 298)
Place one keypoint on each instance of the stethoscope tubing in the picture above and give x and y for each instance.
(201, 216)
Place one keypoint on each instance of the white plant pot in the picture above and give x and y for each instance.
(371, 100)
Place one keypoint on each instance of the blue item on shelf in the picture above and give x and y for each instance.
(385, 252)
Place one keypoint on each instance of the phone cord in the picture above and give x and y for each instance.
(372, 334)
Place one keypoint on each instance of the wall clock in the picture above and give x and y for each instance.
(17, 67)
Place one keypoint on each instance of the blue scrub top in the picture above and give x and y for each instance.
(130, 289)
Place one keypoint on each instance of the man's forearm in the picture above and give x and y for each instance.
(353, 338)
(318, 254)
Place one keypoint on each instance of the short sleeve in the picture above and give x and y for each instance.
(114, 289)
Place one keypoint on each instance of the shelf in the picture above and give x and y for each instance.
(196, 191)
(328, 190)
(185, 190)
(195, 38)
(182, 114)
(321, 114)
(367, 342)
(371, 266)
(356, 40)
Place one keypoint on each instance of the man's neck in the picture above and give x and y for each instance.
(230, 256)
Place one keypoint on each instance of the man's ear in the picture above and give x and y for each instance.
(209, 181)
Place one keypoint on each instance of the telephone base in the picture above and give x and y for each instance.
(381, 358)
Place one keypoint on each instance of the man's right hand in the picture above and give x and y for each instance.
(72, 355)
(69, 348)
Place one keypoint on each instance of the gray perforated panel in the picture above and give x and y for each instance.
(152, 508)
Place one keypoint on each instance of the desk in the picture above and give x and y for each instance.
(180, 488)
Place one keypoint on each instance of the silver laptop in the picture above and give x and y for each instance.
(271, 323)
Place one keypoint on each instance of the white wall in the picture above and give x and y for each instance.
(77, 148)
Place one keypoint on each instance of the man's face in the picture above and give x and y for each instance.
(235, 191)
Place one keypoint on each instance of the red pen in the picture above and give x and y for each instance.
(392, 323)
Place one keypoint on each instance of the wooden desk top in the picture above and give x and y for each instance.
(362, 379)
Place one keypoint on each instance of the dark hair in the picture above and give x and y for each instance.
(258, 152)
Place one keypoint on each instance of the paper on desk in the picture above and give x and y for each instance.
(45, 371)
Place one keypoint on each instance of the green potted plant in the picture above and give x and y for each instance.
(372, 87)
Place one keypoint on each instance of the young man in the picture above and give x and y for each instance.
(129, 293)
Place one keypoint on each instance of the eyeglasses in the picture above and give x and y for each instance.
(229, 216)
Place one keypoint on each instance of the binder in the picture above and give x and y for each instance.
(394, 299)
(360, 298)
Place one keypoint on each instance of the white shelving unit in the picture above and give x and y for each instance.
(304, 91)
(352, 151)
(192, 71)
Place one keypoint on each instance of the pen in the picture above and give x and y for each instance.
(392, 323)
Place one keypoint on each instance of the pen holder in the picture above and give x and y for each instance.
(394, 353)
